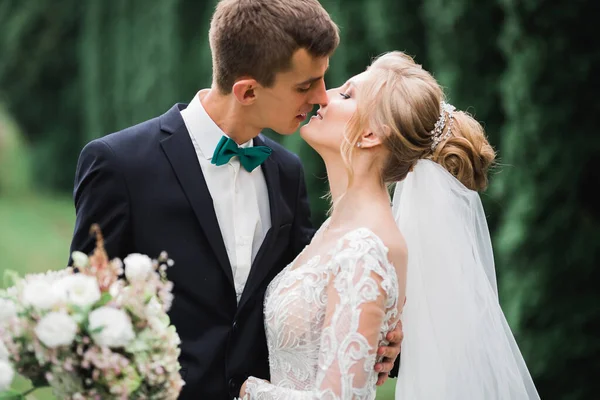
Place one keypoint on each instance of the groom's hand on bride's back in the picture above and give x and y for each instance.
(390, 354)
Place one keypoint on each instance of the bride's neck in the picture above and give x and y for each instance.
(354, 202)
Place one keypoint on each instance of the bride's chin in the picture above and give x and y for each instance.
(307, 134)
(305, 131)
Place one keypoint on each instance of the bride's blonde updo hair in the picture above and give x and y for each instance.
(402, 102)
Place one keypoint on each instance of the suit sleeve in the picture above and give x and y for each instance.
(394, 371)
(101, 196)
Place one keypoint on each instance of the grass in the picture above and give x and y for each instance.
(386, 392)
(15, 163)
(35, 234)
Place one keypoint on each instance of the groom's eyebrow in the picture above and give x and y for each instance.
(309, 81)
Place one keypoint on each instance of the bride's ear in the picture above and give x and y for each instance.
(369, 139)
(244, 90)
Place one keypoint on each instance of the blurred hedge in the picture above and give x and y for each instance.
(74, 70)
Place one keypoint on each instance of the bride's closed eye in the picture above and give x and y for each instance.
(345, 96)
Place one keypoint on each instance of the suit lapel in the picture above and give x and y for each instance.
(260, 266)
(180, 151)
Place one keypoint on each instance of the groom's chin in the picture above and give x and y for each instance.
(286, 131)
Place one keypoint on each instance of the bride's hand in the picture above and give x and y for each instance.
(243, 388)
(390, 353)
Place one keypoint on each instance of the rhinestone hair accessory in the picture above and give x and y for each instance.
(437, 134)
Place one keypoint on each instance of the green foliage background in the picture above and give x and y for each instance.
(74, 70)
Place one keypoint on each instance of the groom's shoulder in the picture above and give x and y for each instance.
(136, 140)
(135, 135)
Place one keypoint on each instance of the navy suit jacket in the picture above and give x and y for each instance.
(145, 188)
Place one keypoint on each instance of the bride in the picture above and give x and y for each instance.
(328, 311)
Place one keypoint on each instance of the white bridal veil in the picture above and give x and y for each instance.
(457, 343)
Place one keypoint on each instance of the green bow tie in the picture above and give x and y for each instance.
(250, 157)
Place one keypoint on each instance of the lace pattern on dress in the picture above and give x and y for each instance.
(324, 320)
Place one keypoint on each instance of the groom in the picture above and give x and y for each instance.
(228, 204)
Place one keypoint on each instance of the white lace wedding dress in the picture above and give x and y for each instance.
(325, 317)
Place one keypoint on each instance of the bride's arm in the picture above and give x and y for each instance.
(358, 293)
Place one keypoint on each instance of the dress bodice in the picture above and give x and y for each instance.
(324, 320)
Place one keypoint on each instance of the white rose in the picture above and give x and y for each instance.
(56, 329)
(80, 260)
(137, 267)
(117, 330)
(6, 375)
(8, 310)
(154, 308)
(116, 288)
(42, 295)
(81, 290)
(158, 325)
(3, 351)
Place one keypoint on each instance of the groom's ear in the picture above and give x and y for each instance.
(244, 90)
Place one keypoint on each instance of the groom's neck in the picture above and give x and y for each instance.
(225, 111)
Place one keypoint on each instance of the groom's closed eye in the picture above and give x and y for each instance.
(305, 86)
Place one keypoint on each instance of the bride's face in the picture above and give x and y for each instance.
(325, 131)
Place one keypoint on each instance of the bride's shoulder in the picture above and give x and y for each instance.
(393, 240)
(397, 252)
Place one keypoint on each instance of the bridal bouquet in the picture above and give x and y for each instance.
(89, 334)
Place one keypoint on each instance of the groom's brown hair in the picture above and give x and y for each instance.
(257, 38)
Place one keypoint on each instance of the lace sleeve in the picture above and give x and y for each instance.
(361, 304)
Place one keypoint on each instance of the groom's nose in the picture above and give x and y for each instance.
(320, 95)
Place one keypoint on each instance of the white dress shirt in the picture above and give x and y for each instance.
(240, 198)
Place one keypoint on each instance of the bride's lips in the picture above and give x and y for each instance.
(317, 115)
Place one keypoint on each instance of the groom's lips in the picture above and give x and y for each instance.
(301, 117)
